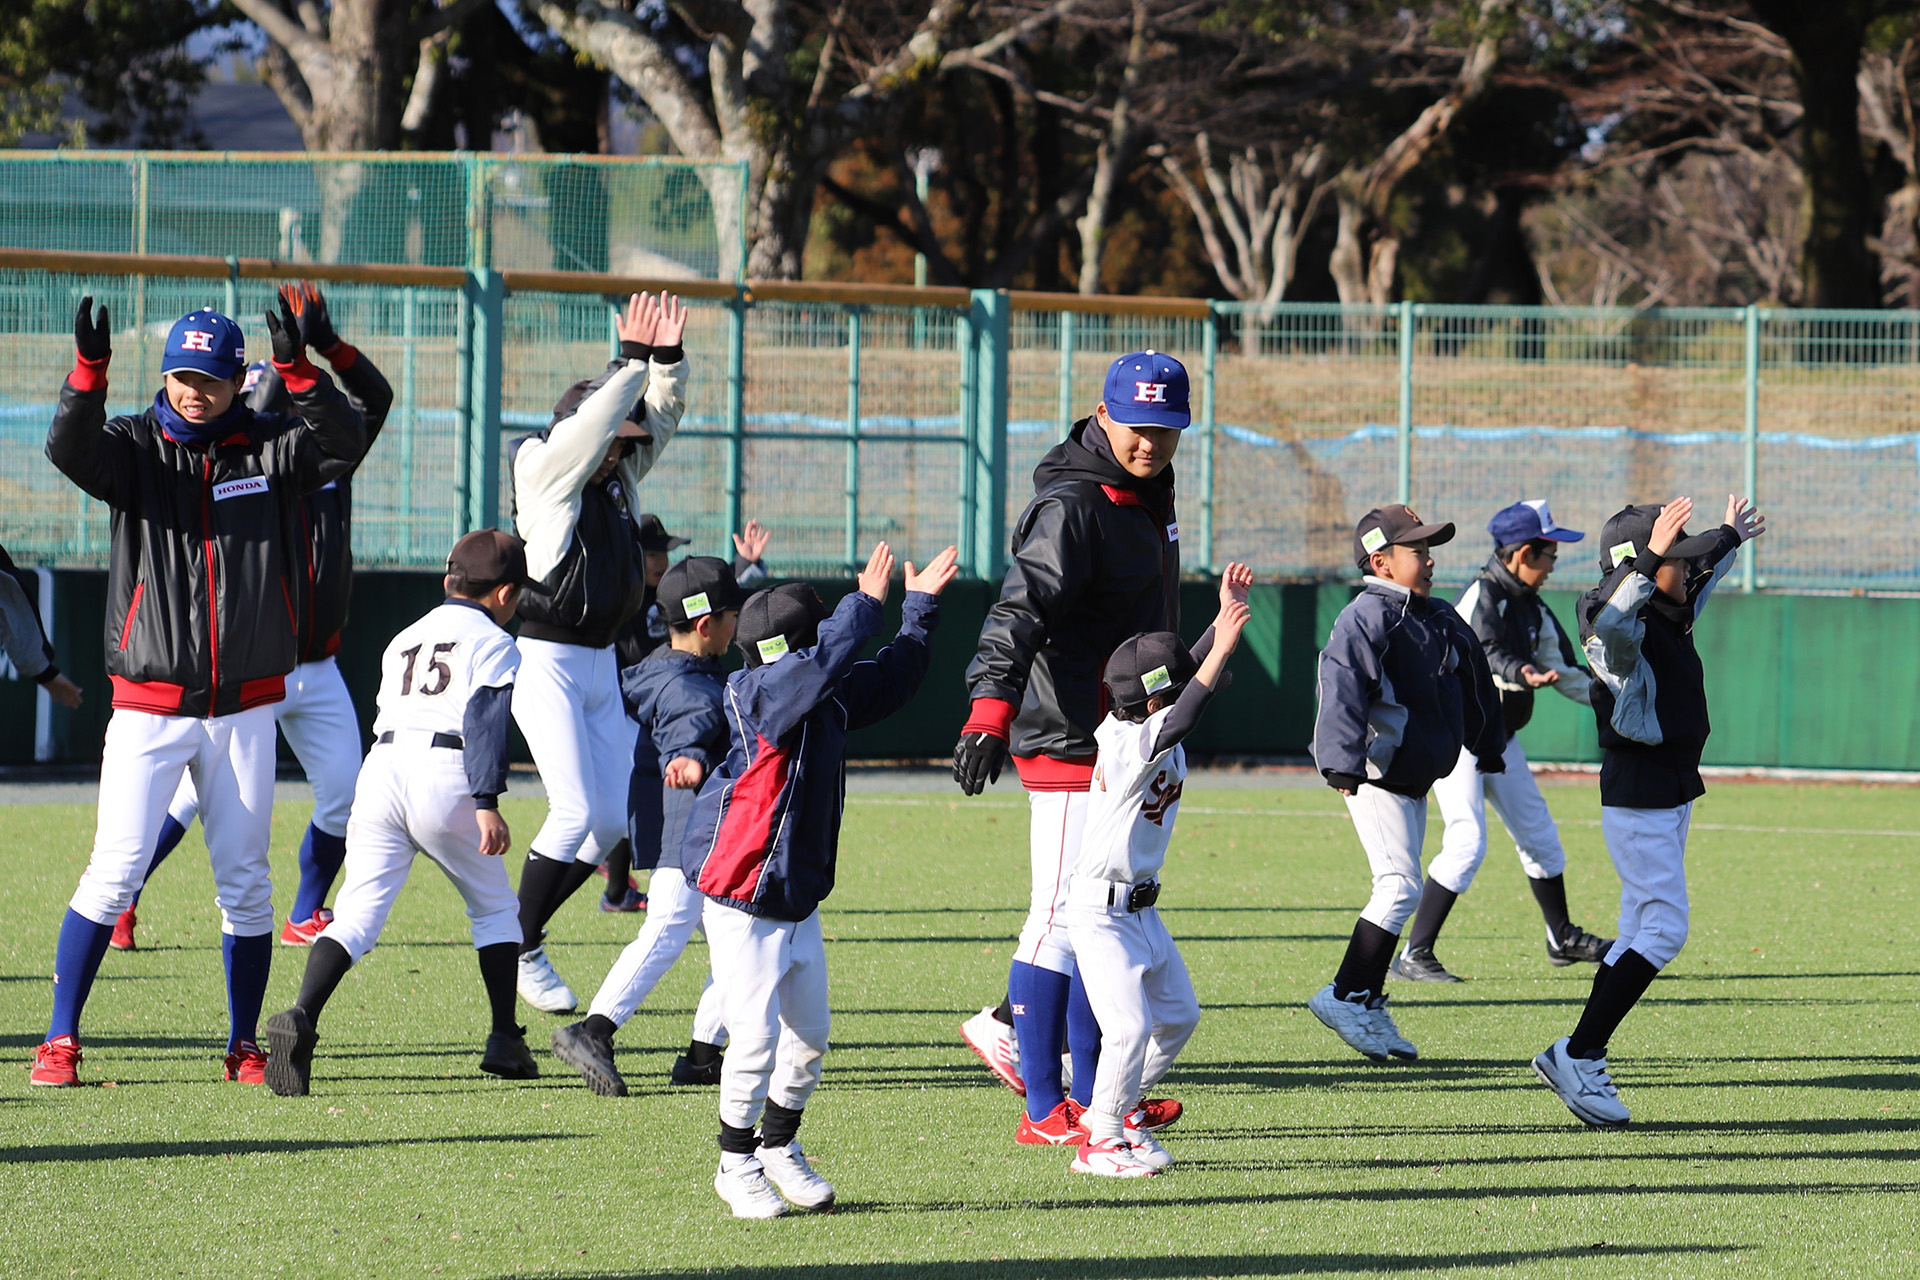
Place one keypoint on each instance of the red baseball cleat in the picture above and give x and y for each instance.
(122, 939)
(57, 1064)
(247, 1064)
(301, 933)
(1061, 1128)
(1154, 1114)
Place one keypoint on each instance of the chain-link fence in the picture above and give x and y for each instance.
(837, 415)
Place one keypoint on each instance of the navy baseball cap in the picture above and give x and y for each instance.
(1630, 529)
(696, 587)
(205, 342)
(1148, 664)
(1148, 389)
(1526, 520)
(654, 535)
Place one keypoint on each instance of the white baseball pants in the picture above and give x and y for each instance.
(1464, 795)
(230, 759)
(673, 914)
(566, 700)
(413, 798)
(319, 721)
(1140, 993)
(772, 978)
(1391, 828)
(1055, 823)
(1649, 850)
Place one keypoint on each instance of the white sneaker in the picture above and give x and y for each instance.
(1389, 1034)
(995, 1043)
(1350, 1019)
(1109, 1158)
(541, 987)
(1147, 1149)
(1583, 1084)
(742, 1183)
(787, 1167)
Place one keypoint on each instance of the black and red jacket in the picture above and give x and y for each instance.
(320, 571)
(200, 621)
(1096, 559)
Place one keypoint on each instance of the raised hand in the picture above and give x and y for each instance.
(752, 544)
(91, 337)
(939, 572)
(670, 327)
(316, 323)
(1228, 623)
(1673, 518)
(495, 839)
(683, 773)
(879, 571)
(289, 345)
(1235, 583)
(1745, 518)
(636, 324)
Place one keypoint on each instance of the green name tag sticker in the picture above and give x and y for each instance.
(1373, 539)
(695, 606)
(773, 648)
(1156, 680)
(1621, 553)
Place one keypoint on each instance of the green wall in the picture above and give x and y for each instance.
(1804, 681)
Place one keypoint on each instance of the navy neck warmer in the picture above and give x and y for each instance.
(199, 435)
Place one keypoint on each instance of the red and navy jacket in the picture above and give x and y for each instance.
(765, 829)
(200, 621)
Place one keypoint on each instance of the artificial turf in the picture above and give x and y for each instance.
(1774, 1075)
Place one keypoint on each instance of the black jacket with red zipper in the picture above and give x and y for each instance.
(1096, 559)
(320, 542)
(200, 621)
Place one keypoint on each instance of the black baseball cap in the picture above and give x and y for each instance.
(632, 427)
(1630, 529)
(1396, 525)
(696, 587)
(778, 620)
(487, 558)
(1148, 664)
(654, 535)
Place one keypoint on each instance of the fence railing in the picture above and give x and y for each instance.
(837, 414)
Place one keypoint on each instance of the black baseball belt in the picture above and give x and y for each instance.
(452, 741)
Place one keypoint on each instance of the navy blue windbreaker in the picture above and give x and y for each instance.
(678, 698)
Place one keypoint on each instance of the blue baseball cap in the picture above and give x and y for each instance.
(205, 342)
(1526, 520)
(1148, 389)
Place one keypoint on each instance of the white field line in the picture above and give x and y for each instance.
(1213, 811)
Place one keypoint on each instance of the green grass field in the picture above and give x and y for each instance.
(1774, 1074)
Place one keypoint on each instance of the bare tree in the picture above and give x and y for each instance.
(1253, 225)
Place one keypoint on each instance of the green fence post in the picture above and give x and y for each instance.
(965, 343)
(409, 322)
(231, 294)
(736, 410)
(1209, 353)
(1404, 435)
(489, 294)
(1750, 437)
(477, 255)
(463, 380)
(853, 559)
(1066, 373)
(987, 456)
(141, 181)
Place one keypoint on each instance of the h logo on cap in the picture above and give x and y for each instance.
(1149, 393)
(196, 340)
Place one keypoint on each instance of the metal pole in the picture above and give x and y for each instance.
(1209, 352)
(966, 340)
(1066, 373)
(736, 409)
(463, 407)
(409, 319)
(991, 325)
(1405, 433)
(1750, 437)
(231, 295)
(853, 440)
(488, 357)
(141, 181)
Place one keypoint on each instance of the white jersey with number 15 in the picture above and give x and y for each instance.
(432, 668)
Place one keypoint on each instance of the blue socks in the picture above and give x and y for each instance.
(248, 960)
(76, 960)
(320, 857)
(170, 833)
(1039, 1021)
(1083, 1040)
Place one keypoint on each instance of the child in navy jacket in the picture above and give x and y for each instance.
(761, 846)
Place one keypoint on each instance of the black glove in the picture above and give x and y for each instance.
(316, 323)
(284, 330)
(978, 760)
(90, 334)
(1349, 782)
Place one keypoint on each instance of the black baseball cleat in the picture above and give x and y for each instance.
(687, 1071)
(508, 1057)
(592, 1057)
(290, 1042)
(1422, 966)
(1577, 946)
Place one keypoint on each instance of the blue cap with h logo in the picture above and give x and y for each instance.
(1148, 389)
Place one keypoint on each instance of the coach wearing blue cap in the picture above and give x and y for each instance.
(1096, 559)
(1527, 650)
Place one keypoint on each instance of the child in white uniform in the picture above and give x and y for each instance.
(1136, 981)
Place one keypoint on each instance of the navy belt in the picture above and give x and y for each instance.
(451, 741)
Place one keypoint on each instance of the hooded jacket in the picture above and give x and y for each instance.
(583, 538)
(679, 700)
(1403, 688)
(1516, 629)
(200, 620)
(1649, 688)
(1096, 558)
(765, 831)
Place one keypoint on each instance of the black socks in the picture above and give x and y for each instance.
(601, 1027)
(499, 966)
(1616, 988)
(1435, 901)
(778, 1125)
(1551, 894)
(699, 1052)
(1004, 1013)
(1369, 952)
(619, 865)
(327, 964)
(739, 1142)
(545, 884)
